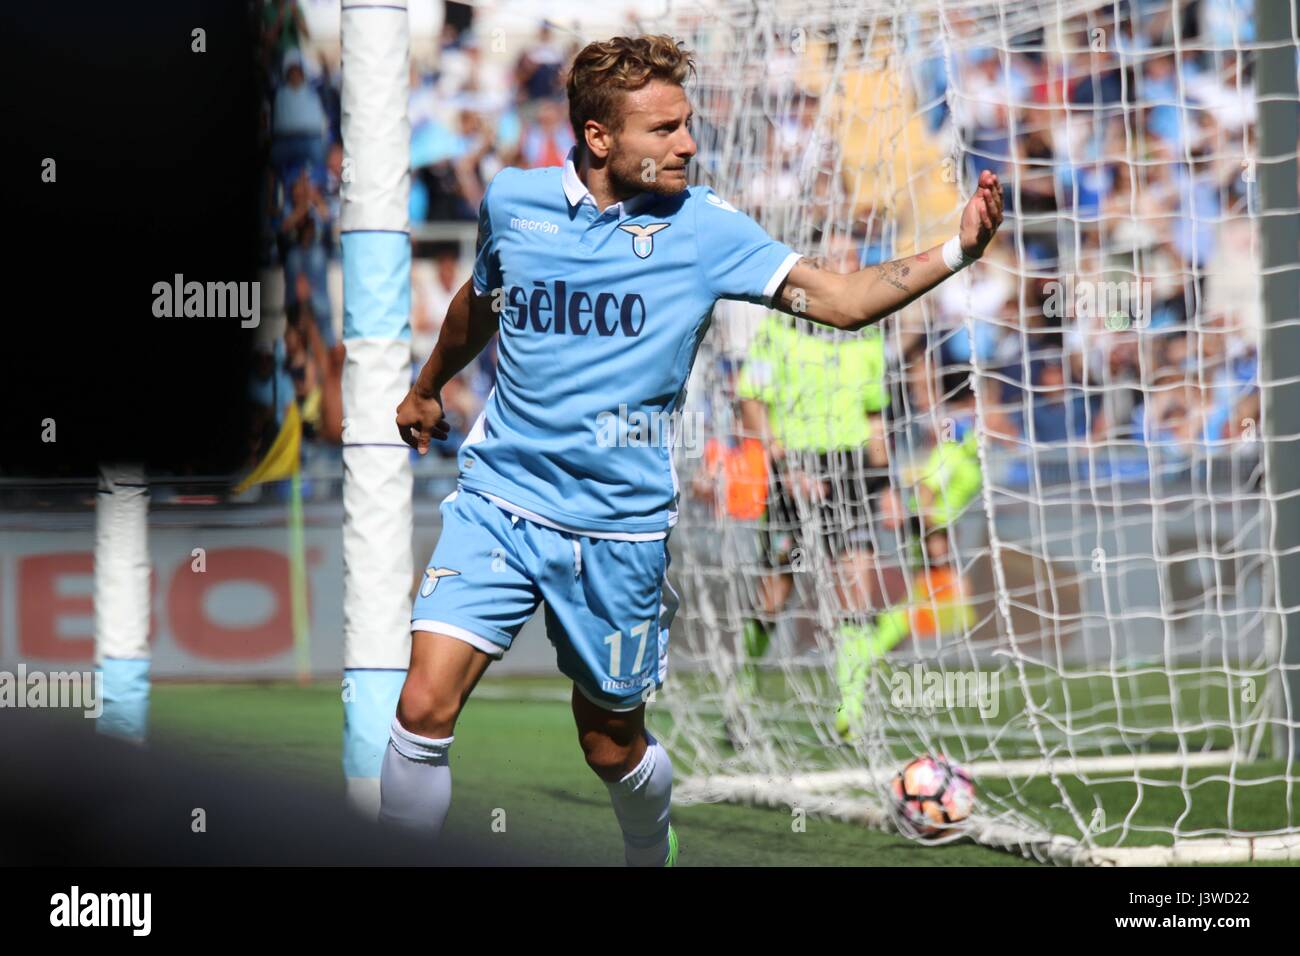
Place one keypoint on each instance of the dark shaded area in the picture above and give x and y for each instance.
(75, 798)
(156, 157)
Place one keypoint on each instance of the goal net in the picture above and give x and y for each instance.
(1052, 554)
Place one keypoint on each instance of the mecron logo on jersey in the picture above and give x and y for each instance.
(534, 225)
(559, 310)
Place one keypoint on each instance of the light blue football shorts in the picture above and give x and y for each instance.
(608, 602)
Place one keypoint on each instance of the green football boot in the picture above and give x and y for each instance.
(672, 847)
(756, 639)
(859, 649)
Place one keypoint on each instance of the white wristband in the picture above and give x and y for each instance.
(953, 257)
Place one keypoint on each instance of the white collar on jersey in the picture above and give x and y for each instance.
(576, 191)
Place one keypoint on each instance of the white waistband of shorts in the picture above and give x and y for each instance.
(538, 519)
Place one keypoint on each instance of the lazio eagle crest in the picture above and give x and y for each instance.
(643, 237)
(431, 578)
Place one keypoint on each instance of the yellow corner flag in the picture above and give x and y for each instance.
(284, 460)
(285, 456)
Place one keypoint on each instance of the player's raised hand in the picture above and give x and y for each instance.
(982, 215)
(420, 420)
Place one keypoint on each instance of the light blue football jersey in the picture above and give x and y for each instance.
(601, 315)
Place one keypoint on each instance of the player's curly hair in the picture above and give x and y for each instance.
(602, 72)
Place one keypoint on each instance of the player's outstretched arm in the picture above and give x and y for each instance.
(468, 328)
(860, 298)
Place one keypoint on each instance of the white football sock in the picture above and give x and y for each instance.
(641, 803)
(415, 782)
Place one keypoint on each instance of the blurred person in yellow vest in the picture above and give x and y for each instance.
(814, 398)
(945, 483)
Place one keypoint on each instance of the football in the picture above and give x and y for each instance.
(932, 797)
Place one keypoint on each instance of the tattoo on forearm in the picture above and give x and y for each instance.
(893, 273)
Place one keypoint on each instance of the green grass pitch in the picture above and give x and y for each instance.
(520, 755)
(516, 751)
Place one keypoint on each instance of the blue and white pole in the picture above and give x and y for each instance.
(377, 563)
(122, 606)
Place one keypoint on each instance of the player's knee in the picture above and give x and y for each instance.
(607, 758)
(423, 712)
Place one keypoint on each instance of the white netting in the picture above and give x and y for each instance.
(1092, 622)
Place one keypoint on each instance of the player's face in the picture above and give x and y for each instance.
(652, 149)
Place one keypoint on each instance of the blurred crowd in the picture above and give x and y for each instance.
(1130, 313)
(302, 178)
(1125, 156)
(1120, 305)
(471, 114)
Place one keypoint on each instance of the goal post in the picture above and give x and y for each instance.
(1280, 234)
(378, 566)
(1077, 574)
